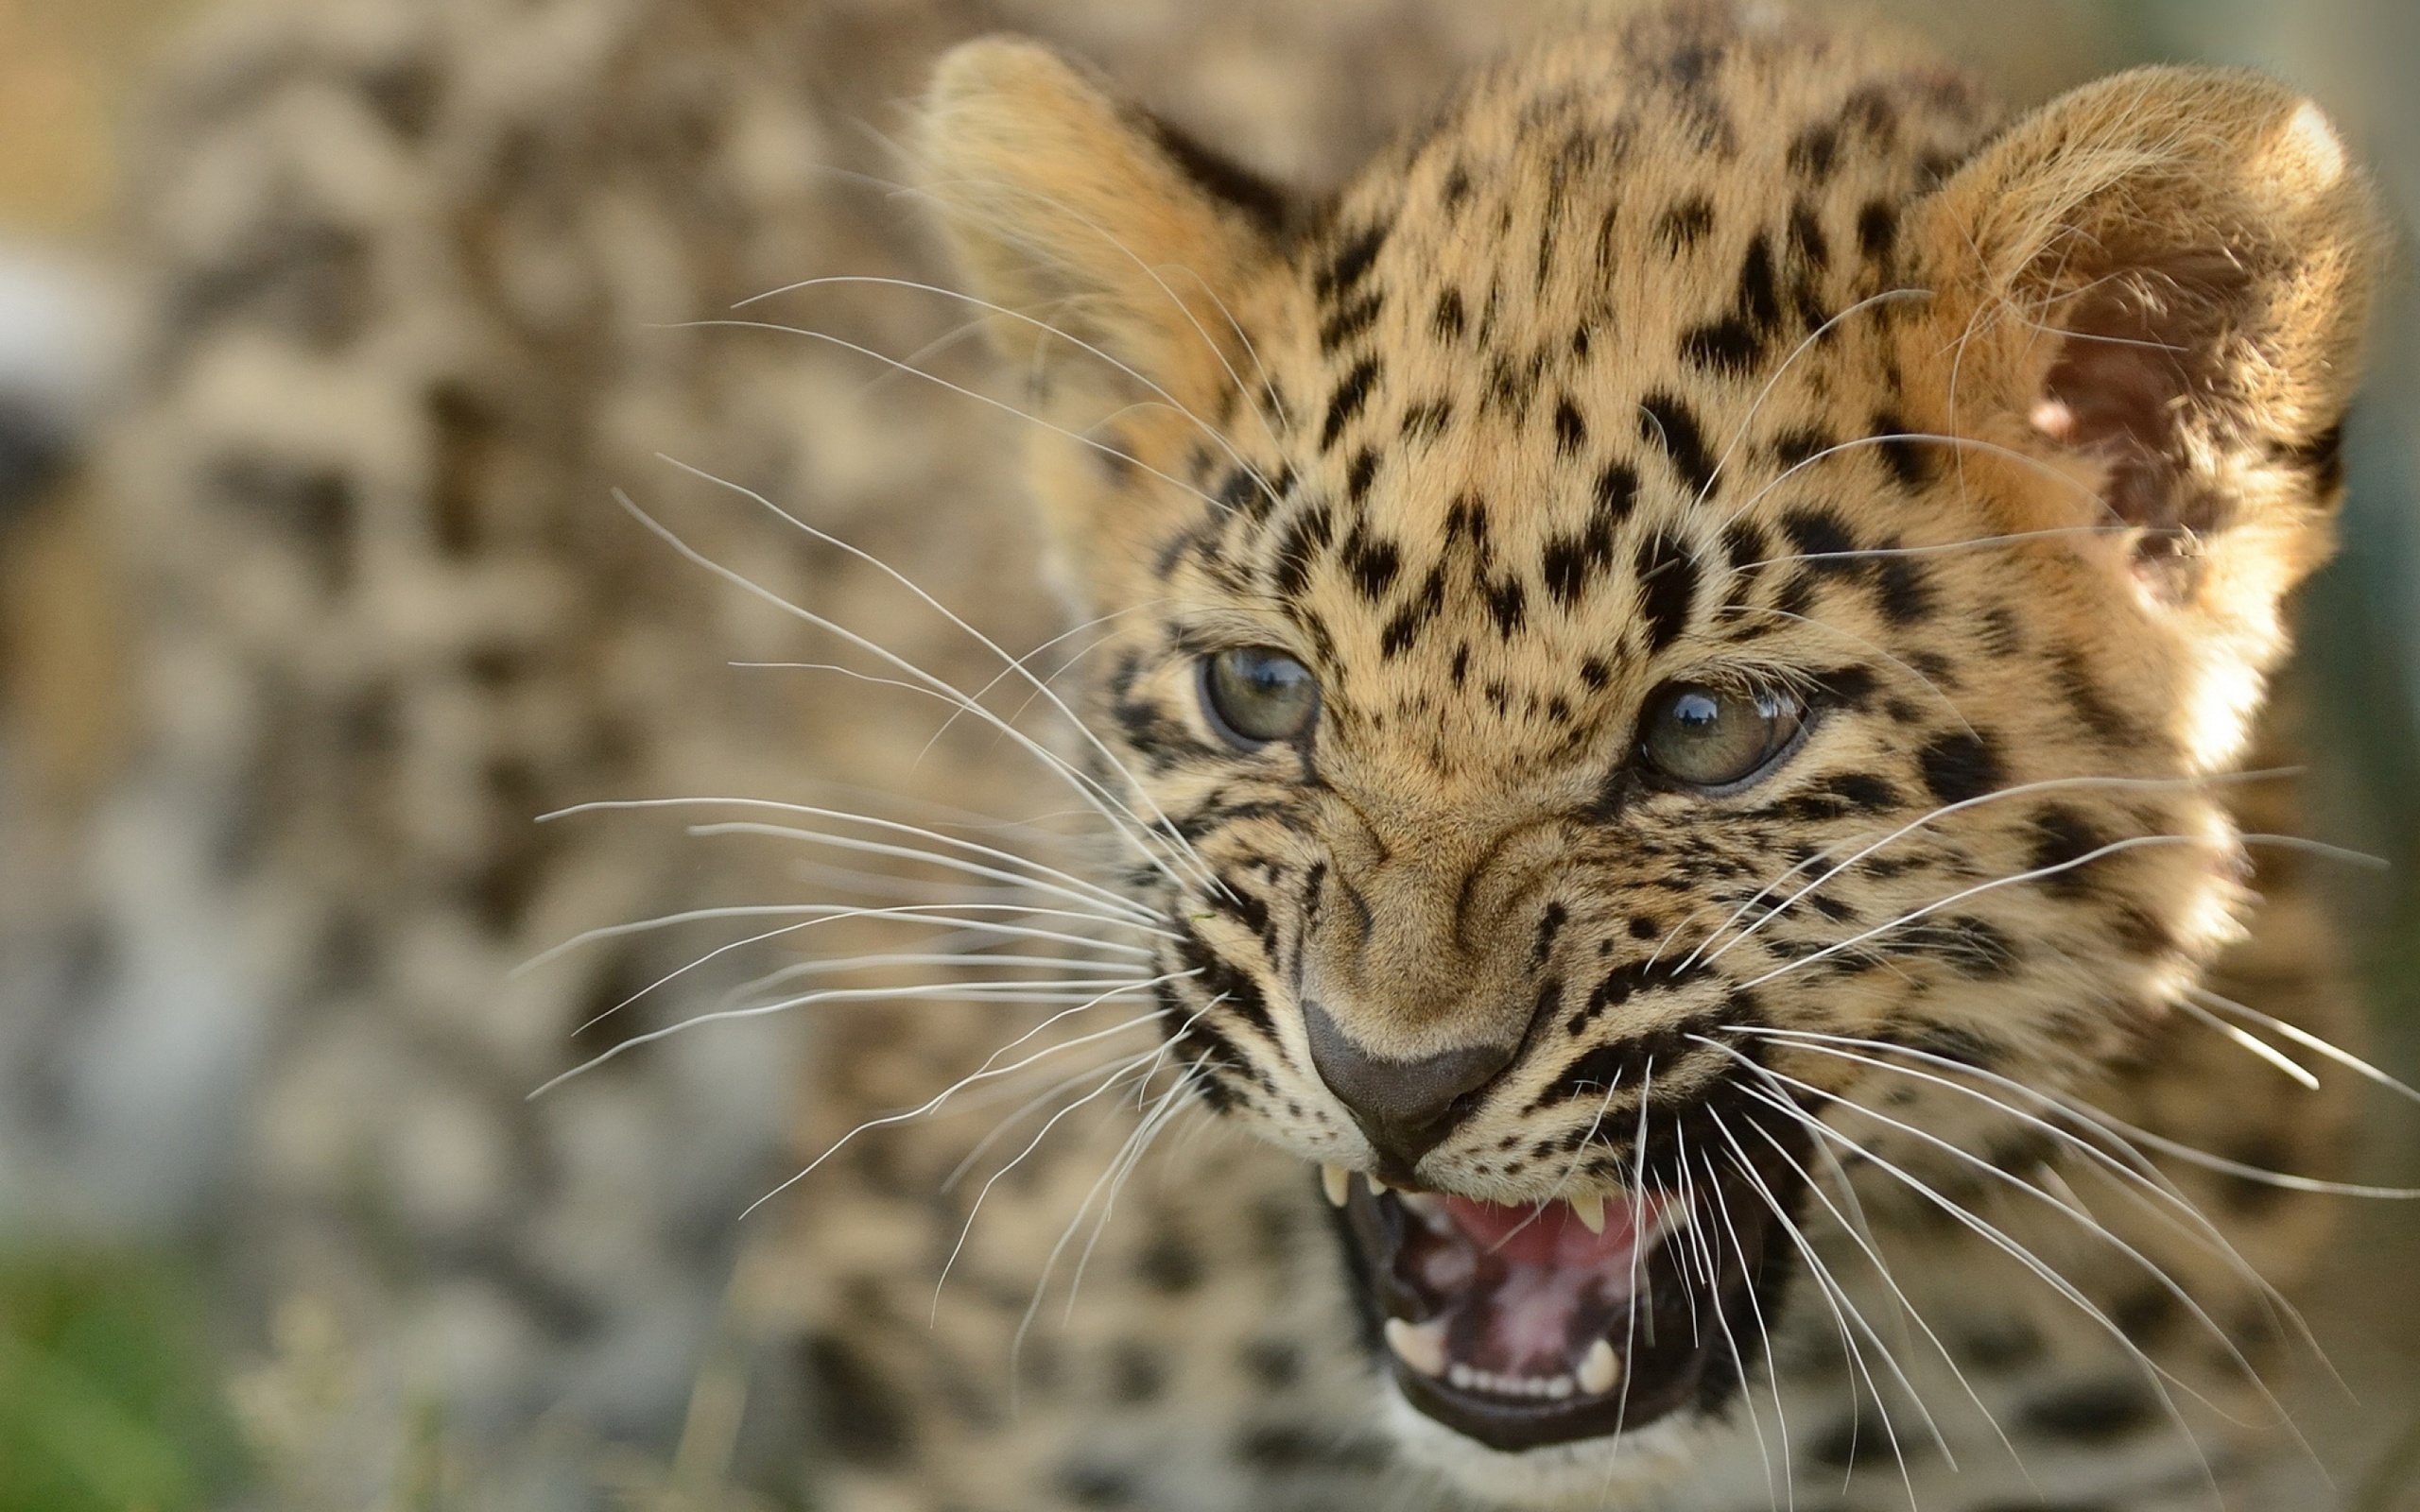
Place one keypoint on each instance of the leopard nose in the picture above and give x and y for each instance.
(1405, 1107)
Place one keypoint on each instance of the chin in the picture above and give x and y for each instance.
(1613, 1473)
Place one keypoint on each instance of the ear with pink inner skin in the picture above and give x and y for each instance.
(2158, 285)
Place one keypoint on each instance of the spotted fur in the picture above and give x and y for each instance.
(1707, 350)
(1633, 362)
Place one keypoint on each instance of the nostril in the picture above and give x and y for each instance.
(1406, 1106)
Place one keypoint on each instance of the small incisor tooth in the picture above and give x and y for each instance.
(1421, 1346)
(1337, 1183)
(1599, 1370)
(1591, 1211)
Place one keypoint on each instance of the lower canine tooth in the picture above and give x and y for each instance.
(1337, 1183)
(1377, 1188)
(1421, 1346)
(1591, 1211)
(1599, 1369)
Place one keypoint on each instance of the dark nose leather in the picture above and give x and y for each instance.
(1405, 1107)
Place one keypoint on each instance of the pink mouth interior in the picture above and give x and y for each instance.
(1526, 1290)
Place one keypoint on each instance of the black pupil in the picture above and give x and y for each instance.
(1262, 695)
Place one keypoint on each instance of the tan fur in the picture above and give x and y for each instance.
(2119, 334)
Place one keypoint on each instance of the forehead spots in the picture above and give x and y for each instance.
(1668, 584)
(1352, 392)
(1672, 427)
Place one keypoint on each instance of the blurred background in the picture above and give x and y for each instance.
(325, 328)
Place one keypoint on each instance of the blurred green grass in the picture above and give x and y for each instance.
(109, 1398)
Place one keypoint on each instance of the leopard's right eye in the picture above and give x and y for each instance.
(1256, 693)
(1717, 740)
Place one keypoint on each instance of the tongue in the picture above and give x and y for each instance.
(1551, 1235)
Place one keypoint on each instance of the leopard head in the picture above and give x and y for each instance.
(1697, 603)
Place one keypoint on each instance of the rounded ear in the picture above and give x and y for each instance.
(1090, 219)
(2160, 283)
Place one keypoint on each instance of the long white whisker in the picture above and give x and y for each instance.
(2140, 1182)
(1997, 794)
(1739, 432)
(1095, 797)
(2158, 1275)
(1217, 438)
(1159, 826)
(2036, 874)
(2286, 1064)
(2309, 1041)
(881, 848)
(1093, 893)
(1844, 1308)
(943, 991)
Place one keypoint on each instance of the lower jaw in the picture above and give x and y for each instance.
(1681, 1342)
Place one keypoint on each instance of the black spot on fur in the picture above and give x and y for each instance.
(1448, 320)
(1570, 430)
(1351, 394)
(1877, 229)
(1549, 925)
(1358, 478)
(1349, 321)
(1262, 202)
(1909, 465)
(2321, 458)
(1428, 419)
(2092, 1412)
(1351, 264)
(2062, 837)
(1815, 150)
(1759, 300)
(1824, 537)
(1806, 236)
(1667, 582)
(1373, 562)
(1508, 602)
(2083, 697)
(1684, 223)
(1569, 562)
(1727, 346)
(1673, 427)
(1794, 448)
(1298, 550)
(1594, 672)
(1902, 590)
(1959, 765)
(859, 1415)
(1406, 625)
(1169, 1265)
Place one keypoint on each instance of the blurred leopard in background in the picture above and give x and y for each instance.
(1667, 685)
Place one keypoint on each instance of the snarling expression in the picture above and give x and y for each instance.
(1705, 569)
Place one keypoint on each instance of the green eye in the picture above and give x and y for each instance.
(1257, 695)
(1716, 737)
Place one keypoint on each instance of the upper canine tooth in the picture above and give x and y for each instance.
(1377, 1188)
(1591, 1210)
(1599, 1370)
(1421, 1346)
(1337, 1183)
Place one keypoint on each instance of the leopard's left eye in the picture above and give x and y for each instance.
(1717, 739)
(1256, 693)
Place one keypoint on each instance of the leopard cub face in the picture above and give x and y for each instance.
(1698, 597)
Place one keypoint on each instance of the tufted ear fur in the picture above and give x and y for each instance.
(1092, 218)
(2158, 283)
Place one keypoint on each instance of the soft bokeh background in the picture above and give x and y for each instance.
(138, 1370)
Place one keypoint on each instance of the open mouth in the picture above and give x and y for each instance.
(1542, 1324)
